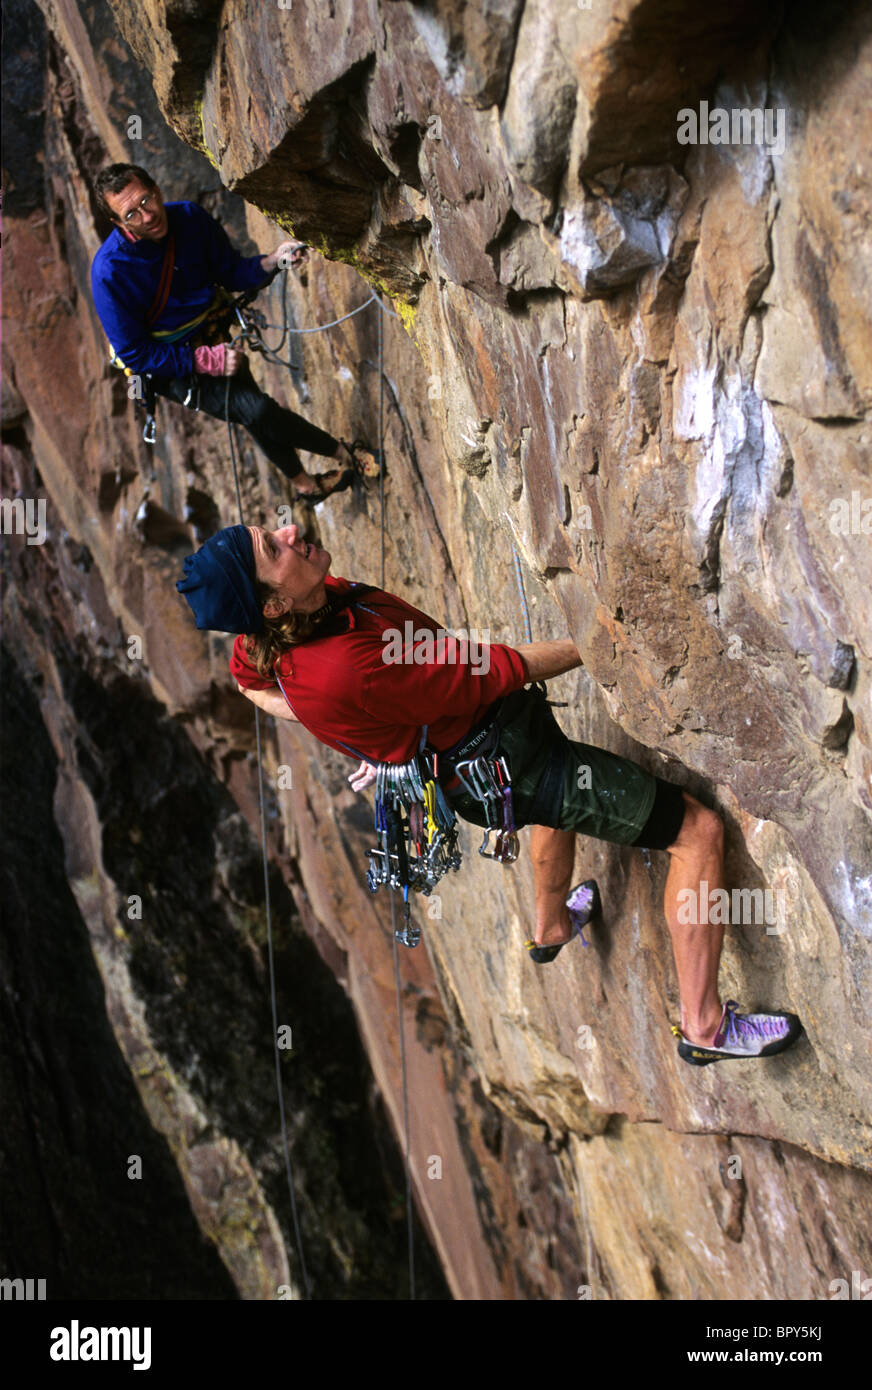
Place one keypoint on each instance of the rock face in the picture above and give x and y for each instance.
(642, 363)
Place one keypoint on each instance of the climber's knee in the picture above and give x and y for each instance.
(548, 844)
(702, 830)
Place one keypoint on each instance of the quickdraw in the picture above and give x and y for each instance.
(416, 827)
(147, 399)
(488, 780)
(416, 831)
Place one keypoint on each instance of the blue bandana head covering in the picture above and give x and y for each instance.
(219, 583)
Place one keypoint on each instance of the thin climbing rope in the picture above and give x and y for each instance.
(379, 300)
(381, 475)
(275, 1017)
(396, 954)
(401, 1031)
(321, 327)
(520, 577)
(273, 355)
(268, 906)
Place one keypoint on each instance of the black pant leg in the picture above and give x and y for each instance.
(277, 431)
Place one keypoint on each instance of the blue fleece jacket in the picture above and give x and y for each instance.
(124, 282)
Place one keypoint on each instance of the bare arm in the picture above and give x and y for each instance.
(272, 701)
(546, 659)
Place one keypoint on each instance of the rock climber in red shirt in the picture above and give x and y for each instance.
(315, 649)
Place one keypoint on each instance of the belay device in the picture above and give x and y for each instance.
(417, 828)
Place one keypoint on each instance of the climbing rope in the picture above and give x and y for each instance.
(520, 578)
(321, 327)
(405, 1088)
(381, 476)
(272, 354)
(275, 1019)
(392, 313)
(268, 906)
(396, 954)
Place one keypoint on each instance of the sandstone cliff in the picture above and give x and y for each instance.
(646, 366)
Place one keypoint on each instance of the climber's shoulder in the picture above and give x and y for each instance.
(243, 668)
(108, 253)
(185, 214)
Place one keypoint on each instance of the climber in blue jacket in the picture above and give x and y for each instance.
(158, 282)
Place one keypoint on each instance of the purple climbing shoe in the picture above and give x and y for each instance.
(584, 904)
(741, 1035)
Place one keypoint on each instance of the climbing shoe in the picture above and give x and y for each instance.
(344, 477)
(741, 1035)
(583, 904)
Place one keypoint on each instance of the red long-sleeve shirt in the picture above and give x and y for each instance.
(344, 691)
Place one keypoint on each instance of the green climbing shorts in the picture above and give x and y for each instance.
(574, 786)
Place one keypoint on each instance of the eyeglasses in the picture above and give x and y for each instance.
(136, 214)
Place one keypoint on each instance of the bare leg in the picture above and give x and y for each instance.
(697, 857)
(552, 853)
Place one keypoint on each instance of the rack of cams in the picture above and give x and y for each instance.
(417, 829)
(417, 835)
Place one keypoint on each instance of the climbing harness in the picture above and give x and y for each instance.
(155, 309)
(209, 323)
(416, 825)
(416, 831)
(223, 310)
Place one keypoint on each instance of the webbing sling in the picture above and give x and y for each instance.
(166, 279)
(220, 300)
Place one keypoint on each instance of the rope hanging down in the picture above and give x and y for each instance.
(396, 954)
(272, 354)
(520, 578)
(268, 907)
